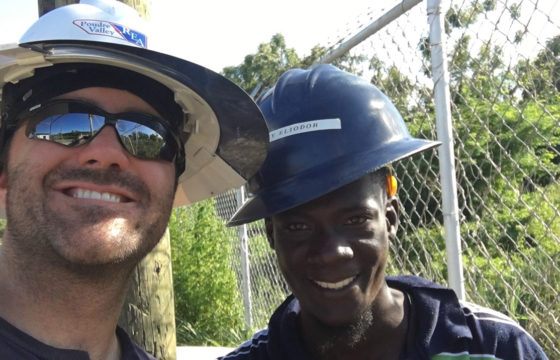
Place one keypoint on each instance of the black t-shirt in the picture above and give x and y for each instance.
(16, 345)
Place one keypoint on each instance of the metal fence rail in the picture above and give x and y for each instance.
(504, 89)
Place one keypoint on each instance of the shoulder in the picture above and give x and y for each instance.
(130, 350)
(488, 318)
(493, 331)
(254, 348)
(408, 283)
(16, 344)
(454, 329)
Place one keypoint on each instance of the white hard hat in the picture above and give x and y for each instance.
(227, 135)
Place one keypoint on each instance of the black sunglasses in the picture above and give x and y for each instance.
(74, 123)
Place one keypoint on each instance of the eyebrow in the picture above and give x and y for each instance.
(373, 210)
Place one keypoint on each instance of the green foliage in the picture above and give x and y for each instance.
(522, 285)
(540, 78)
(507, 151)
(143, 145)
(2, 228)
(459, 16)
(208, 309)
(266, 285)
(260, 71)
(420, 250)
(507, 135)
(264, 67)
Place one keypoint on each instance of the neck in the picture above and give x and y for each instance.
(61, 307)
(379, 334)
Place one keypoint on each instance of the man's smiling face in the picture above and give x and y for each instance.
(92, 204)
(333, 250)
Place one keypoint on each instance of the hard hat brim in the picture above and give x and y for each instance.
(313, 184)
(228, 136)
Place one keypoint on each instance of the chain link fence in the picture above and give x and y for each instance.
(504, 76)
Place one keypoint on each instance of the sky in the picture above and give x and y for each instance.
(219, 33)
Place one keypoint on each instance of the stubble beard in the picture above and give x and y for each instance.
(346, 337)
(46, 236)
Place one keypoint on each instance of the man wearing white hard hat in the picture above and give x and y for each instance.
(99, 139)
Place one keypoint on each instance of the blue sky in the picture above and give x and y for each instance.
(219, 33)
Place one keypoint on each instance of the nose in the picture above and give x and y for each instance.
(329, 248)
(104, 151)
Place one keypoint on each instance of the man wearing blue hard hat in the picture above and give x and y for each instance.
(328, 198)
(99, 138)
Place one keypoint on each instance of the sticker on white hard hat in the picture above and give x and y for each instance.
(303, 127)
(107, 28)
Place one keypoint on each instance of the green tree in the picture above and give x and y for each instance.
(260, 71)
(207, 304)
(539, 78)
(263, 68)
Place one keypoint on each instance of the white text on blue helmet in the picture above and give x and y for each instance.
(303, 127)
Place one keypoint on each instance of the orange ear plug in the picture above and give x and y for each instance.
(391, 185)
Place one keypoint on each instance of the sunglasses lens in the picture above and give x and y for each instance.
(74, 123)
(140, 140)
(68, 129)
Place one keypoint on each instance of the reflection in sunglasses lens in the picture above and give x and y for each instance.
(140, 140)
(73, 123)
(76, 129)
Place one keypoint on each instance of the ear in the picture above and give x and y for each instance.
(269, 228)
(392, 216)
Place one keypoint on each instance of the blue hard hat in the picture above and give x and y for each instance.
(328, 128)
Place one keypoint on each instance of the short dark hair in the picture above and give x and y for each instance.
(380, 176)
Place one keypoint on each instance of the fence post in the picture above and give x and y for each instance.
(245, 271)
(440, 77)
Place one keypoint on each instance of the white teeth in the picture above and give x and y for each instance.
(89, 194)
(336, 285)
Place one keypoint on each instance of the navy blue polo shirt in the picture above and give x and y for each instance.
(445, 329)
(17, 345)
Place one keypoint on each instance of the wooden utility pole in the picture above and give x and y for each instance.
(148, 314)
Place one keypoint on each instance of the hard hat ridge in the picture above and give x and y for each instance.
(106, 21)
(112, 7)
(328, 128)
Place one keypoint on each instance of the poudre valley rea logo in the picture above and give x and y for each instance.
(117, 31)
